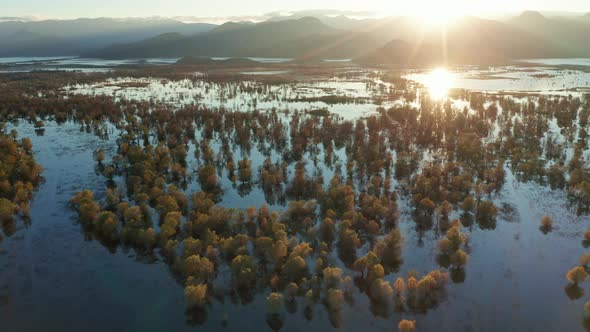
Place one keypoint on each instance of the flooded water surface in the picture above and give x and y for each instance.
(55, 274)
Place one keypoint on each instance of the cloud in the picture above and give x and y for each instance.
(275, 15)
(224, 19)
(22, 18)
(325, 12)
(220, 19)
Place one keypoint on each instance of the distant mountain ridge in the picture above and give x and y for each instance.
(571, 36)
(74, 37)
(229, 26)
(269, 39)
(27, 42)
(471, 41)
(390, 40)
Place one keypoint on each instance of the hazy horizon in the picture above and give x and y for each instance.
(232, 10)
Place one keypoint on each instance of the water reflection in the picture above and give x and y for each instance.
(491, 249)
(439, 82)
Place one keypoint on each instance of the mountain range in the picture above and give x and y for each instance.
(74, 37)
(468, 41)
(391, 41)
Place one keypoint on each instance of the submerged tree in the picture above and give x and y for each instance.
(577, 275)
(407, 325)
(195, 295)
(275, 303)
(546, 224)
(244, 270)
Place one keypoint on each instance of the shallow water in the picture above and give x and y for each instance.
(558, 62)
(22, 60)
(86, 65)
(52, 272)
(257, 59)
(238, 97)
(515, 79)
(55, 277)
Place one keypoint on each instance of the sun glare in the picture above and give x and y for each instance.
(438, 82)
(434, 13)
(437, 19)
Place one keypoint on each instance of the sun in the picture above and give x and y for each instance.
(438, 82)
(432, 14)
(437, 19)
(437, 15)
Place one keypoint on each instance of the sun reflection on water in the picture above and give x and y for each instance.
(438, 82)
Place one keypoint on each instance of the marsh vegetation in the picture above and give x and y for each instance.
(256, 195)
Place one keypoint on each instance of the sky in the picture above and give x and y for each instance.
(237, 8)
